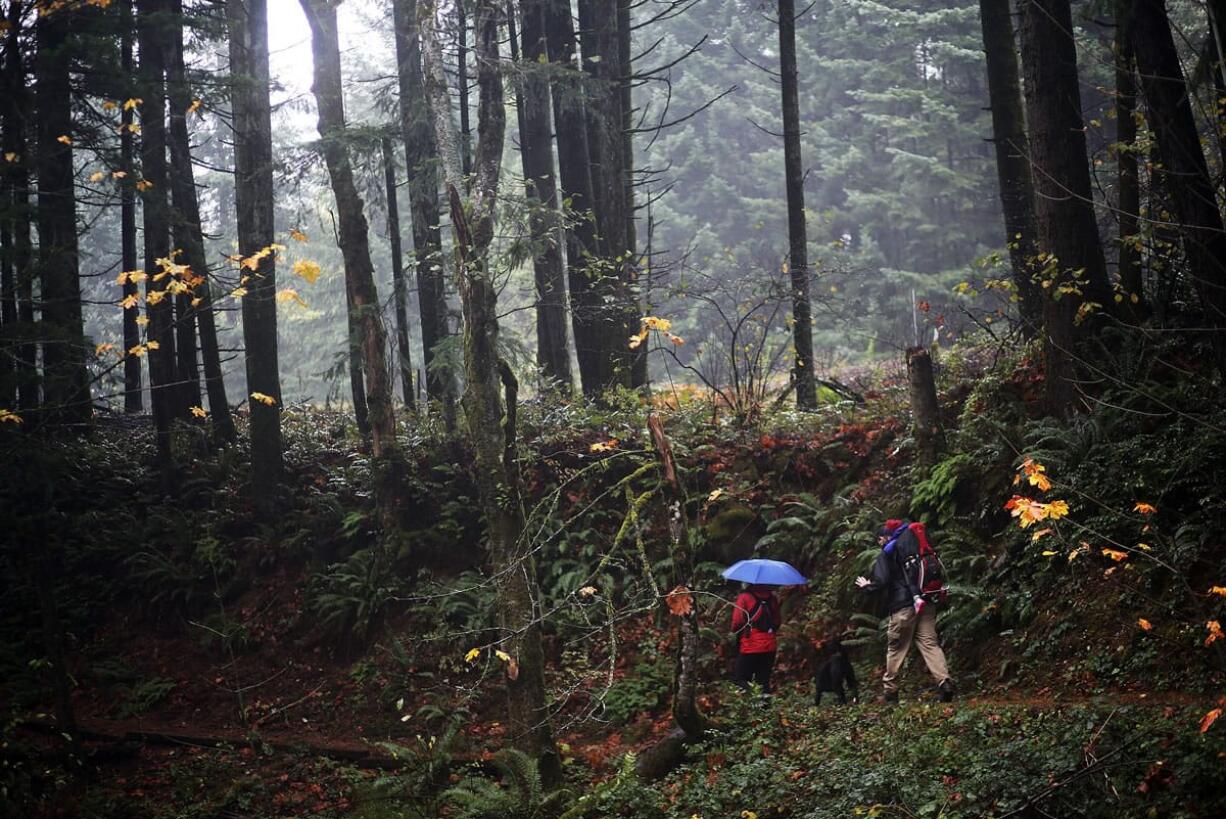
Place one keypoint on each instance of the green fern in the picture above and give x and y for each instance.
(518, 794)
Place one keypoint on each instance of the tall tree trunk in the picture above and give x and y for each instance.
(536, 153)
(66, 390)
(1184, 168)
(421, 165)
(150, 22)
(189, 235)
(574, 172)
(355, 246)
(461, 43)
(19, 215)
(617, 316)
(1128, 181)
(14, 206)
(253, 194)
(794, 176)
(1071, 254)
(490, 428)
(133, 395)
(404, 358)
(638, 356)
(1012, 160)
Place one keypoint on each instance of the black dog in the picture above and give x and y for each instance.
(834, 670)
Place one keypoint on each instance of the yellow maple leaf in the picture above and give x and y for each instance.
(97, 176)
(118, 174)
(473, 653)
(143, 185)
(142, 321)
(130, 301)
(104, 347)
(297, 235)
(1056, 510)
(137, 351)
(194, 107)
(11, 156)
(307, 270)
(289, 294)
(263, 398)
(131, 103)
(198, 412)
(502, 655)
(64, 139)
(10, 417)
(1049, 553)
(604, 446)
(1145, 624)
(154, 345)
(109, 105)
(238, 292)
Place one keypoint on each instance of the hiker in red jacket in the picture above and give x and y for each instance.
(755, 619)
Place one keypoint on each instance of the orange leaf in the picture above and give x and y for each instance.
(1145, 624)
(1215, 632)
(1220, 591)
(1144, 508)
(1115, 554)
(679, 601)
(1209, 719)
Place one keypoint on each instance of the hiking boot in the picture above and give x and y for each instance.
(945, 691)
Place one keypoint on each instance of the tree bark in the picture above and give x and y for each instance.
(1012, 160)
(1184, 168)
(536, 154)
(490, 428)
(66, 390)
(133, 391)
(616, 316)
(355, 245)
(400, 292)
(421, 165)
(461, 66)
(638, 356)
(357, 384)
(1128, 179)
(686, 712)
(155, 215)
(925, 412)
(19, 380)
(253, 194)
(1070, 252)
(794, 176)
(189, 235)
(574, 172)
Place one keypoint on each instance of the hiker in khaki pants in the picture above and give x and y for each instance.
(911, 619)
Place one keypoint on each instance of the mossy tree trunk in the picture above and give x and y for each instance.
(490, 423)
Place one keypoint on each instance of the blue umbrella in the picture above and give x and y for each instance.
(764, 572)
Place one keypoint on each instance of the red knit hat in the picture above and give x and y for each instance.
(890, 527)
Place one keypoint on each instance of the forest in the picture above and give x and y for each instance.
(543, 409)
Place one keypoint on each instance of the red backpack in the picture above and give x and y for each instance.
(922, 567)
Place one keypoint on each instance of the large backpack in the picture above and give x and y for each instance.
(760, 617)
(921, 566)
